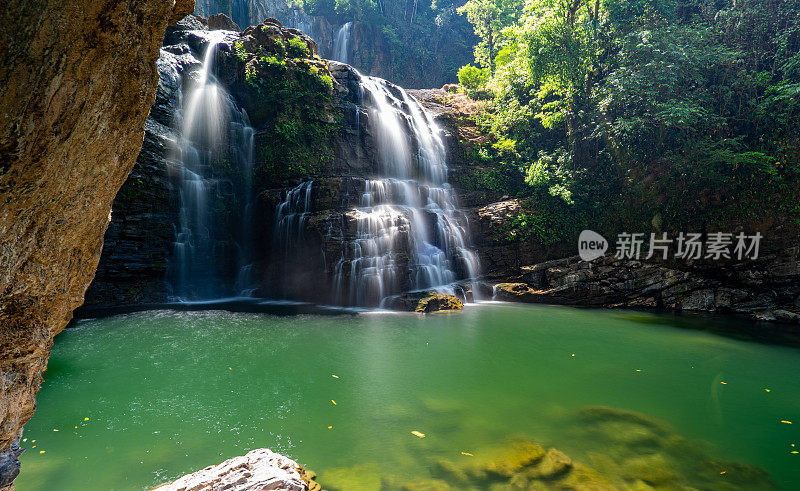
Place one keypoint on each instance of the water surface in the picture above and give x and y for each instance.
(138, 399)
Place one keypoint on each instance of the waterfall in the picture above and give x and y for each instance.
(290, 218)
(342, 43)
(215, 133)
(410, 234)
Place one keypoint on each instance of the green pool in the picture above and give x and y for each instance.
(134, 400)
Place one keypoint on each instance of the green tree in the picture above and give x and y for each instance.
(489, 18)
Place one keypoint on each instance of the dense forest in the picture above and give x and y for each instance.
(643, 114)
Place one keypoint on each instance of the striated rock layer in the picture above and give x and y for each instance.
(77, 82)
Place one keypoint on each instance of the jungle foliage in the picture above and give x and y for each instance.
(640, 114)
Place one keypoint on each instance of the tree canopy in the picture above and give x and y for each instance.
(626, 110)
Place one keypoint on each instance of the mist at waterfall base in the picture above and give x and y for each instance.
(167, 393)
(409, 233)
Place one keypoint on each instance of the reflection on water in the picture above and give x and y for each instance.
(506, 395)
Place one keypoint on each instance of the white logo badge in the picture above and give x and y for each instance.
(591, 245)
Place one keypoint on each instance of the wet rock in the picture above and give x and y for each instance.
(258, 470)
(514, 292)
(610, 282)
(423, 302)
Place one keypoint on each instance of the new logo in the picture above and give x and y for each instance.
(591, 245)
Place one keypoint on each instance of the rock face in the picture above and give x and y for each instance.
(223, 22)
(259, 470)
(768, 289)
(370, 49)
(77, 82)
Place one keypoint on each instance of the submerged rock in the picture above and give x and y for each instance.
(260, 469)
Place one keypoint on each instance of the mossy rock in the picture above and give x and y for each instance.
(514, 292)
(437, 302)
(424, 302)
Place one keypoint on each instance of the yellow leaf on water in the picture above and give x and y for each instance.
(767, 390)
(229, 368)
(786, 422)
(334, 402)
(55, 429)
(418, 434)
(33, 446)
(76, 427)
(467, 454)
(724, 383)
(41, 451)
(638, 370)
(86, 419)
(330, 427)
(33, 441)
(24, 439)
(794, 451)
(723, 472)
(335, 376)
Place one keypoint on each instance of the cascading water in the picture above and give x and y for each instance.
(409, 234)
(290, 219)
(214, 131)
(341, 45)
(411, 209)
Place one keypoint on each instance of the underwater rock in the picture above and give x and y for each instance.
(260, 469)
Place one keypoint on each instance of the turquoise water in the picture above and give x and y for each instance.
(158, 394)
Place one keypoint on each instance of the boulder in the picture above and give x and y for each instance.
(222, 22)
(424, 302)
(258, 470)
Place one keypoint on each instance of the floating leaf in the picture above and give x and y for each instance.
(334, 402)
(41, 451)
(786, 422)
(724, 383)
(330, 427)
(335, 376)
(86, 419)
(723, 472)
(418, 434)
(467, 454)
